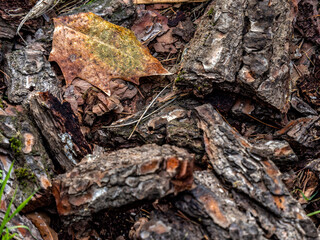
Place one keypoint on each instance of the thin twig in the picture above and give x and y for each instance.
(261, 121)
(145, 117)
(149, 106)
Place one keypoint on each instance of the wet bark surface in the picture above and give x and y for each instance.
(228, 150)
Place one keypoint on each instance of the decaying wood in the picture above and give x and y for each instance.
(241, 47)
(28, 70)
(109, 180)
(61, 129)
(176, 124)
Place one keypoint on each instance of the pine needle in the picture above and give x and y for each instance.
(149, 106)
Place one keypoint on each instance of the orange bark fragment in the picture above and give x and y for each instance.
(28, 142)
(214, 210)
(172, 164)
(280, 202)
(149, 167)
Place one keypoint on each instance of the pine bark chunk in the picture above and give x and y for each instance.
(60, 127)
(28, 71)
(241, 46)
(21, 142)
(253, 179)
(172, 125)
(109, 180)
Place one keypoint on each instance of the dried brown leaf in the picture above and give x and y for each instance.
(88, 47)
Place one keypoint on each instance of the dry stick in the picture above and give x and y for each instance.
(133, 122)
(149, 106)
(40, 8)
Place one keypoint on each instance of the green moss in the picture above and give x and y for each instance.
(15, 144)
(25, 177)
(1, 104)
(210, 12)
(24, 173)
(180, 77)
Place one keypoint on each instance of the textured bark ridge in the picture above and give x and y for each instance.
(18, 220)
(173, 125)
(29, 71)
(241, 46)
(61, 129)
(109, 180)
(6, 30)
(253, 179)
(21, 142)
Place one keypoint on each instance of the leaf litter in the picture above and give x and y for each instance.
(88, 47)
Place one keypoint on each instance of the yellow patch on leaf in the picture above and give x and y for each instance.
(86, 46)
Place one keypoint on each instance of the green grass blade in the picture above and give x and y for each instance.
(5, 218)
(310, 198)
(22, 226)
(305, 197)
(22, 205)
(313, 213)
(5, 181)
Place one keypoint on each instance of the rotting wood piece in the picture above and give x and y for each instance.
(109, 180)
(242, 47)
(253, 179)
(61, 129)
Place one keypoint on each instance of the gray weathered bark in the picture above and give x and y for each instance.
(109, 180)
(242, 197)
(241, 46)
(29, 71)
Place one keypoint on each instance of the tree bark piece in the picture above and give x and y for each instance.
(307, 21)
(303, 131)
(167, 225)
(61, 129)
(33, 168)
(173, 125)
(117, 12)
(214, 211)
(304, 134)
(110, 180)
(243, 47)
(29, 71)
(253, 179)
(19, 220)
(6, 31)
